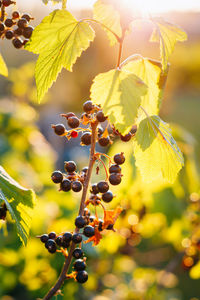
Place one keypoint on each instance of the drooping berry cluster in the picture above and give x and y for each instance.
(88, 227)
(16, 27)
(3, 211)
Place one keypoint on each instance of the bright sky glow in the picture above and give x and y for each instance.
(146, 6)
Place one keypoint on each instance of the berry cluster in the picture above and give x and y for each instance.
(3, 211)
(16, 27)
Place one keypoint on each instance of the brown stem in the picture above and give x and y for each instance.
(2, 13)
(68, 259)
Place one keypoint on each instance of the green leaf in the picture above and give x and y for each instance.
(167, 35)
(156, 152)
(119, 94)
(19, 201)
(150, 71)
(108, 16)
(59, 39)
(3, 67)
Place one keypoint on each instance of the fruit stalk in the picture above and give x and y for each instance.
(68, 259)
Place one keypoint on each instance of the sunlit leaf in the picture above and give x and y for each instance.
(150, 71)
(156, 152)
(167, 35)
(3, 67)
(119, 94)
(59, 39)
(108, 16)
(19, 202)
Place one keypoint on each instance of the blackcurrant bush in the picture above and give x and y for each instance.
(119, 158)
(100, 116)
(86, 138)
(44, 238)
(77, 253)
(115, 169)
(9, 34)
(94, 189)
(27, 17)
(59, 240)
(77, 238)
(22, 23)
(115, 178)
(82, 277)
(70, 166)
(57, 177)
(88, 106)
(126, 138)
(28, 32)
(76, 186)
(65, 185)
(2, 27)
(51, 246)
(67, 237)
(85, 170)
(9, 22)
(100, 226)
(88, 231)
(103, 186)
(73, 122)
(59, 129)
(79, 265)
(17, 43)
(52, 235)
(107, 197)
(104, 141)
(15, 15)
(80, 222)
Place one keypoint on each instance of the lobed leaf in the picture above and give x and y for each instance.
(156, 152)
(3, 67)
(59, 39)
(119, 94)
(150, 71)
(108, 16)
(19, 201)
(167, 35)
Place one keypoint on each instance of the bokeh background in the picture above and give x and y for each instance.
(154, 254)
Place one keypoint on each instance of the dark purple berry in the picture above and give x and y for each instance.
(100, 116)
(115, 178)
(65, 185)
(67, 237)
(17, 43)
(52, 235)
(94, 189)
(70, 166)
(27, 17)
(110, 227)
(18, 31)
(22, 23)
(51, 246)
(133, 129)
(92, 218)
(86, 138)
(2, 27)
(15, 15)
(79, 265)
(82, 277)
(85, 170)
(9, 34)
(44, 238)
(59, 240)
(73, 122)
(88, 231)
(9, 22)
(126, 138)
(28, 32)
(76, 186)
(57, 177)
(115, 169)
(80, 222)
(103, 186)
(77, 238)
(100, 226)
(104, 141)
(107, 197)
(77, 253)
(65, 244)
(119, 158)
(100, 131)
(86, 212)
(59, 129)
(88, 106)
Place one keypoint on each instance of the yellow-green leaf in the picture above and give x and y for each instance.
(156, 152)
(19, 201)
(119, 94)
(60, 40)
(108, 16)
(150, 71)
(3, 67)
(167, 35)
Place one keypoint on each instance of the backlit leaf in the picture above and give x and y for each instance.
(156, 152)
(108, 16)
(119, 94)
(3, 67)
(167, 35)
(19, 202)
(59, 39)
(150, 71)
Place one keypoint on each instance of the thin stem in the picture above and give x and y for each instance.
(68, 259)
(120, 54)
(64, 4)
(2, 13)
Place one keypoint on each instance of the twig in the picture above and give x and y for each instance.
(68, 259)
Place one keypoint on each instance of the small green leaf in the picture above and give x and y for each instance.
(167, 35)
(59, 39)
(3, 67)
(150, 71)
(108, 16)
(19, 201)
(156, 152)
(119, 94)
